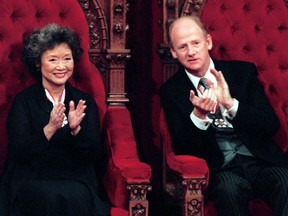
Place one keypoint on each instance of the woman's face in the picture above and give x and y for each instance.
(56, 66)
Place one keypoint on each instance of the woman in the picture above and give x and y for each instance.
(54, 134)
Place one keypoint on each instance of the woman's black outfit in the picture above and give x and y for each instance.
(55, 177)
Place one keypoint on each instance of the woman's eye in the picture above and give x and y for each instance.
(52, 60)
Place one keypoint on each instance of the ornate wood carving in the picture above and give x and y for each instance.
(170, 13)
(192, 7)
(108, 52)
(99, 40)
(97, 24)
(169, 63)
(117, 55)
(194, 200)
(184, 193)
(138, 204)
(118, 23)
(117, 62)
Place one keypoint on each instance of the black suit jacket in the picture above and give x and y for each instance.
(255, 121)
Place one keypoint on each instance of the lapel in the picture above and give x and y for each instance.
(39, 105)
(182, 91)
(47, 106)
(42, 100)
(221, 66)
(71, 94)
(232, 74)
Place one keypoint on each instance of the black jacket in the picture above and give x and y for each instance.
(255, 121)
(32, 156)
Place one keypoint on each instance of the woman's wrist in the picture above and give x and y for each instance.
(75, 131)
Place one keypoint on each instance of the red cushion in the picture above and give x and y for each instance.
(134, 170)
(124, 164)
(119, 212)
(188, 166)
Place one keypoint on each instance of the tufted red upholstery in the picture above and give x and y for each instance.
(19, 17)
(124, 165)
(255, 31)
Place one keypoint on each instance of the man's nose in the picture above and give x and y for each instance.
(191, 50)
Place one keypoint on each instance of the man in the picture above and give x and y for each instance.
(226, 120)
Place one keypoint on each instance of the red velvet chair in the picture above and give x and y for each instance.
(254, 31)
(127, 178)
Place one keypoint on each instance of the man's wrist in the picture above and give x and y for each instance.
(199, 114)
(229, 104)
(202, 124)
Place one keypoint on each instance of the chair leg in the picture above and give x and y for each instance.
(194, 200)
(138, 204)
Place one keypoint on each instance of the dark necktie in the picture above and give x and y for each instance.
(219, 124)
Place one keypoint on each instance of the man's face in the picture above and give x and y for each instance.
(191, 47)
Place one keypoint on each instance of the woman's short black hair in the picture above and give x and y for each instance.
(47, 38)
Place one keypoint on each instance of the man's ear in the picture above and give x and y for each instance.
(173, 53)
(209, 41)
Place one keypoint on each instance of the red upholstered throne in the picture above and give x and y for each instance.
(101, 25)
(254, 31)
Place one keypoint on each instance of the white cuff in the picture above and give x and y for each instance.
(202, 124)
